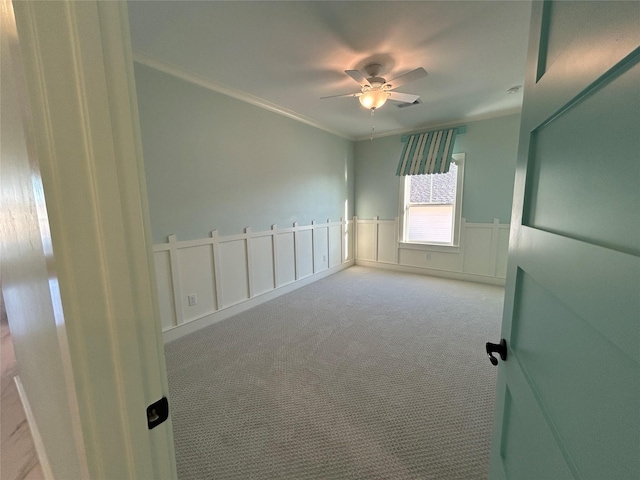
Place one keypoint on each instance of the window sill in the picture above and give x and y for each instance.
(430, 247)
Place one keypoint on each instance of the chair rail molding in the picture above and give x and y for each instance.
(225, 275)
(481, 255)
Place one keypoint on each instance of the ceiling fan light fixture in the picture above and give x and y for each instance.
(373, 99)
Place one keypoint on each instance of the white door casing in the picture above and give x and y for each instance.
(568, 395)
(84, 131)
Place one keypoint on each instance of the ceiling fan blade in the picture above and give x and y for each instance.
(412, 76)
(358, 77)
(357, 94)
(403, 97)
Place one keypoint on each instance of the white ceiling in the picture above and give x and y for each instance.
(288, 54)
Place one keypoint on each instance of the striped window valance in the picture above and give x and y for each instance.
(428, 152)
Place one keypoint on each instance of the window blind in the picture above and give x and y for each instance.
(428, 152)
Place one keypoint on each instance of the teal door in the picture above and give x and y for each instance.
(568, 394)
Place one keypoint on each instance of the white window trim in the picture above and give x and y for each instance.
(458, 159)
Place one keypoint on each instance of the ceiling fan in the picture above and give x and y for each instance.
(375, 90)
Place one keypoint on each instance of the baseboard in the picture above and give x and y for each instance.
(35, 433)
(222, 314)
(467, 277)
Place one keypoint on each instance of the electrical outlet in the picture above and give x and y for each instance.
(192, 299)
(324, 258)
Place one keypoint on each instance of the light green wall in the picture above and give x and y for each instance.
(491, 149)
(490, 167)
(214, 162)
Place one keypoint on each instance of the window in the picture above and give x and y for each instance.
(431, 206)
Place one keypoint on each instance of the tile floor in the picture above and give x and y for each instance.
(18, 459)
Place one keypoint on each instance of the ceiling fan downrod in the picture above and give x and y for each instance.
(373, 128)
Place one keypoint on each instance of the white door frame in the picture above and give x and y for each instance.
(84, 131)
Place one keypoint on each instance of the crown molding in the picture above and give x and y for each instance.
(193, 78)
(448, 124)
(179, 72)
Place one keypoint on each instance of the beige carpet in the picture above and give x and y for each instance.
(367, 374)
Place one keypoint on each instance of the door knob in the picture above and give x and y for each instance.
(499, 348)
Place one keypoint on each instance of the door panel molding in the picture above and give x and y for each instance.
(581, 63)
(571, 299)
(586, 297)
(523, 394)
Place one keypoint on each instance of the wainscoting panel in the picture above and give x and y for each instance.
(286, 258)
(165, 289)
(481, 255)
(232, 273)
(503, 250)
(304, 253)
(477, 245)
(335, 245)
(387, 242)
(437, 260)
(196, 278)
(366, 245)
(262, 269)
(321, 249)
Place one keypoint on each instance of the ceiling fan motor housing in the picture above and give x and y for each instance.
(376, 81)
(373, 70)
